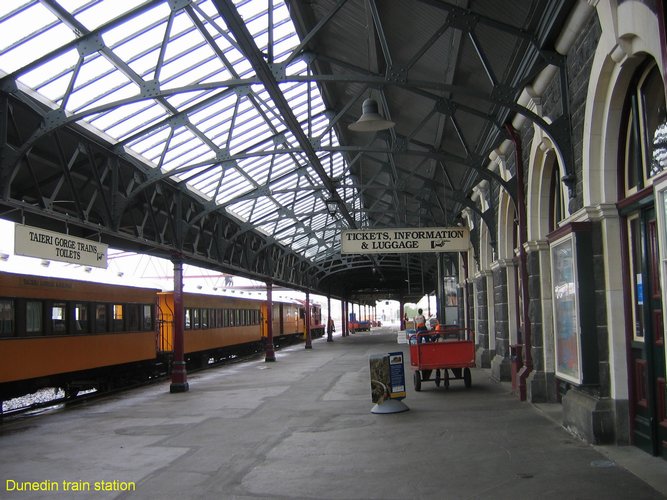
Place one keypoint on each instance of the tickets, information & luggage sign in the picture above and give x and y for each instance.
(406, 240)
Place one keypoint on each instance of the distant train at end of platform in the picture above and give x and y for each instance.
(78, 335)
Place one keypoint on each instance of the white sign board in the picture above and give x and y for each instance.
(43, 244)
(407, 240)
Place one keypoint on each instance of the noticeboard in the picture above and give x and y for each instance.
(387, 377)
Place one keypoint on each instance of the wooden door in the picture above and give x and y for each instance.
(647, 370)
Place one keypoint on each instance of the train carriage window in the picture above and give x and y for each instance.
(81, 318)
(147, 310)
(225, 318)
(58, 315)
(196, 319)
(118, 317)
(187, 314)
(6, 318)
(132, 312)
(100, 318)
(204, 319)
(33, 318)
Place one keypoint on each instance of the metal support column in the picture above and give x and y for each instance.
(179, 376)
(440, 290)
(523, 267)
(330, 323)
(309, 344)
(270, 353)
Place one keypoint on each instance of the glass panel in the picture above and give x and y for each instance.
(565, 310)
(636, 259)
(6, 318)
(81, 317)
(133, 65)
(58, 316)
(204, 318)
(100, 318)
(631, 156)
(132, 317)
(653, 103)
(118, 317)
(148, 317)
(33, 318)
(196, 324)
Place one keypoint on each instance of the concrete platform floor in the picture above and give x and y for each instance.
(302, 428)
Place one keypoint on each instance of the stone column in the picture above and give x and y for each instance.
(500, 364)
(482, 325)
(541, 383)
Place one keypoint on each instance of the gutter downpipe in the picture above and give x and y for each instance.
(466, 299)
(527, 368)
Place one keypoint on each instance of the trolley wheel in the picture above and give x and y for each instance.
(418, 381)
(446, 384)
(467, 380)
(437, 378)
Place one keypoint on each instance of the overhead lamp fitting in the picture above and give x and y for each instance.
(332, 206)
(370, 119)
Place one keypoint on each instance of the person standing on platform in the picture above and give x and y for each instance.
(331, 327)
(420, 323)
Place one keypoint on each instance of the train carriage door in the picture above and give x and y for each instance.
(264, 320)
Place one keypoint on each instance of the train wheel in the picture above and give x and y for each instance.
(467, 378)
(71, 392)
(437, 378)
(418, 381)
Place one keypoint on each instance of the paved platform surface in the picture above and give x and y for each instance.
(302, 428)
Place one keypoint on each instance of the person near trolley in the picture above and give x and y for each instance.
(420, 324)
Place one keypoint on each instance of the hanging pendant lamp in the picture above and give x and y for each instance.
(370, 119)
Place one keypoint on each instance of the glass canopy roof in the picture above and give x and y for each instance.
(169, 83)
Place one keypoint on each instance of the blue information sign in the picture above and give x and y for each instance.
(397, 375)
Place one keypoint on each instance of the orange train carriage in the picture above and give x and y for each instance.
(57, 332)
(72, 334)
(216, 325)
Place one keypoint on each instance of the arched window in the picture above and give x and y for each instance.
(556, 199)
(645, 151)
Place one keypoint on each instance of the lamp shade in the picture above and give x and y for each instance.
(332, 206)
(370, 119)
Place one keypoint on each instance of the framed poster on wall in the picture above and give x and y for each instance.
(566, 321)
(575, 333)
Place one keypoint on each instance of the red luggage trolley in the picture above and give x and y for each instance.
(446, 348)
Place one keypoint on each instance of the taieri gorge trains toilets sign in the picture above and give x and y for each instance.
(43, 244)
(408, 240)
